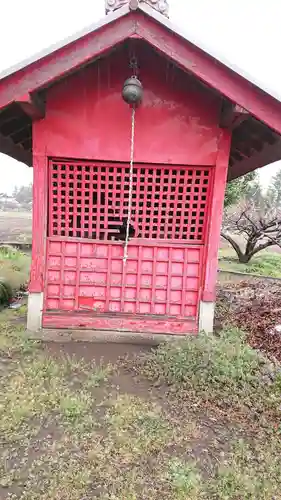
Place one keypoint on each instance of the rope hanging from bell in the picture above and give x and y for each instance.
(132, 94)
(125, 257)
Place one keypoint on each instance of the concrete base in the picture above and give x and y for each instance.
(34, 314)
(206, 317)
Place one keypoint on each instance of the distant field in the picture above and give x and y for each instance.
(15, 227)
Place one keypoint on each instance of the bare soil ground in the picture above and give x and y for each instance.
(82, 421)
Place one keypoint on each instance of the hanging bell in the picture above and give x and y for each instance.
(132, 91)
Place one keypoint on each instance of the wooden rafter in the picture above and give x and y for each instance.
(232, 115)
(7, 146)
(269, 154)
(22, 135)
(32, 105)
(240, 116)
(21, 87)
(27, 143)
(13, 126)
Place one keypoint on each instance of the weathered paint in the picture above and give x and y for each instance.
(215, 219)
(33, 106)
(88, 198)
(177, 128)
(39, 221)
(236, 88)
(191, 58)
(160, 280)
(85, 270)
(178, 145)
(141, 324)
(177, 122)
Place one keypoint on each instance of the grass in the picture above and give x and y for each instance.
(99, 376)
(188, 421)
(14, 267)
(249, 472)
(138, 427)
(223, 377)
(185, 479)
(222, 371)
(264, 264)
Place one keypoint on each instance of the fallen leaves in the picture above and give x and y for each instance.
(255, 307)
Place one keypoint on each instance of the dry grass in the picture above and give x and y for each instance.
(77, 430)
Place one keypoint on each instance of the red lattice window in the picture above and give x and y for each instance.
(90, 200)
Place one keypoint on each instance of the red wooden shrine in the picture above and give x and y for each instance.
(198, 123)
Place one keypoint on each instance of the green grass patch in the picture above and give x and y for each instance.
(69, 432)
(218, 374)
(138, 427)
(98, 376)
(6, 292)
(14, 267)
(220, 369)
(250, 471)
(264, 263)
(13, 338)
(37, 389)
(185, 480)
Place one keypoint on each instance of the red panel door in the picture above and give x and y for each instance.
(158, 288)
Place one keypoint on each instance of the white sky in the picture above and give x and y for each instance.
(246, 32)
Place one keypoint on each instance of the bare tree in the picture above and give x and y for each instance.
(259, 225)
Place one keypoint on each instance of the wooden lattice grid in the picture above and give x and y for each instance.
(90, 200)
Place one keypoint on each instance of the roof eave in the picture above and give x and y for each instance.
(8, 147)
(189, 54)
(202, 46)
(268, 155)
(147, 9)
(110, 18)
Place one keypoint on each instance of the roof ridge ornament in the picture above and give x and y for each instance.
(161, 6)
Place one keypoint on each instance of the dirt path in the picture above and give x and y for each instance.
(97, 352)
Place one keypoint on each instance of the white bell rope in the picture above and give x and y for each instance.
(132, 156)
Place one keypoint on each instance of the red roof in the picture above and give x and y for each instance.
(256, 122)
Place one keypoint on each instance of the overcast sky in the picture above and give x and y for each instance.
(246, 32)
